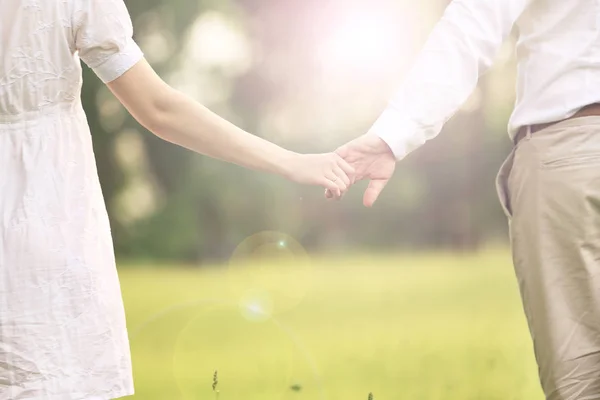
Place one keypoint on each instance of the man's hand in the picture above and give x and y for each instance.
(371, 159)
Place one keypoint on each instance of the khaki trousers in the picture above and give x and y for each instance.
(549, 188)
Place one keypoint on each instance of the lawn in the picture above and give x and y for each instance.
(419, 327)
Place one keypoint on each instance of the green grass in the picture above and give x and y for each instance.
(418, 328)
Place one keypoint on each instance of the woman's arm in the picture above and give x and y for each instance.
(177, 118)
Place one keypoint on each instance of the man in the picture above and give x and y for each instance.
(549, 186)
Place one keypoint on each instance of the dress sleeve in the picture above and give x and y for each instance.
(103, 35)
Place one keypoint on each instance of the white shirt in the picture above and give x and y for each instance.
(63, 334)
(558, 54)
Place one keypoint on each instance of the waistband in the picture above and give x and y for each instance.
(33, 117)
(589, 115)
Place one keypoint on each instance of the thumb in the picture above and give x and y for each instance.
(373, 191)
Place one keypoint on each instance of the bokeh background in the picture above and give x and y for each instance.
(286, 295)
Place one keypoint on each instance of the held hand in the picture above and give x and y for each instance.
(327, 170)
(372, 159)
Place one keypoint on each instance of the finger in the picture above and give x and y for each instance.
(341, 175)
(373, 191)
(347, 168)
(340, 186)
(335, 194)
(331, 195)
(330, 185)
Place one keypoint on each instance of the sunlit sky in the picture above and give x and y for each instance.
(361, 44)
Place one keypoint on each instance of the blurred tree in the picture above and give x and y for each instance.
(168, 163)
(443, 195)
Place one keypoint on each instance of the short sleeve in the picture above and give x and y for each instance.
(103, 35)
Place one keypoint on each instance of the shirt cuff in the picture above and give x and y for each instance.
(399, 132)
(119, 63)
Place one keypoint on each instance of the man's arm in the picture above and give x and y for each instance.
(462, 46)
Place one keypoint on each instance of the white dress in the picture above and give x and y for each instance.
(62, 323)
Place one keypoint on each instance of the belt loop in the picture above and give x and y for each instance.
(528, 135)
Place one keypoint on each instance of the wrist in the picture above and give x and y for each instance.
(284, 163)
(383, 146)
(398, 131)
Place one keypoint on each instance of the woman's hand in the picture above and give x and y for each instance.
(327, 170)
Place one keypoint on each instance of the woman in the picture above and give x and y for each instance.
(62, 325)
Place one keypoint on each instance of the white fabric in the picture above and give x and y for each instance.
(558, 66)
(62, 323)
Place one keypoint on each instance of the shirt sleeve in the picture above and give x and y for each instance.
(103, 35)
(461, 47)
